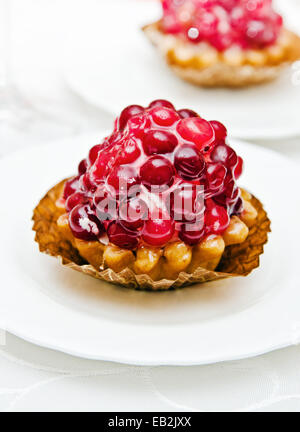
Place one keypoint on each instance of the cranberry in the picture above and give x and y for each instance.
(161, 103)
(192, 234)
(159, 141)
(93, 154)
(196, 130)
(230, 192)
(122, 236)
(129, 153)
(122, 179)
(71, 187)
(215, 175)
(74, 200)
(238, 207)
(189, 162)
(82, 167)
(164, 116)
(216, 217)
(133, 213)
(127, 113)
(84, 223)
(187, 113)
(105, 205)
(157, 171)
(224, 154)
(238, 170)
(158, 232)
(185, 202)
(87, 182)
(220, 130)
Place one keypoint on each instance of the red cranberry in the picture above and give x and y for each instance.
(238, 207)
(238, 170)
(187, 113)
(215, 175)
(192, 234)
(74, 200)
(71, 187)
(130, 153)
(159, 142)
(230, 192)
(122, 179)
(84, 223)
(122, 236)
(93, 154)
(161, 103)
(127, 113)
(157, 171)
(197, 130)
(105, 205)
(82, 167)
(189, 162)
(185, 202)
(216, 217)
(224, 154)
(220, 130)
(87, 182)
(133, 213)
(164, 116)
(158, 232)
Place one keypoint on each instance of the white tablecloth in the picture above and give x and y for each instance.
(33, 378)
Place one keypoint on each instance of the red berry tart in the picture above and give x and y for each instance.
(224, 42)
(156, 204)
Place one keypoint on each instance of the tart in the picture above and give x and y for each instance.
(155, 205)
(230, 43)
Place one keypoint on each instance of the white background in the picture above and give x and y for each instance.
(32, 378)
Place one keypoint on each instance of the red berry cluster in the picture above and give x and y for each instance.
(141, 184)
(223, 23)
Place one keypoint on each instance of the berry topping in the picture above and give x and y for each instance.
(223, 23)
(158, 232)
(75, 199)
(121, 236)
(220, 130)
(162, 175)
(216, 217)
(187, 113)
(133, 213)
(224, 154)
(159, 142)
(192, 234)
(164, 116)
(122, 178)
(157, 171)
(189, 162)
(161, 103)
(128, 113)
(196, 130)
(84, 223)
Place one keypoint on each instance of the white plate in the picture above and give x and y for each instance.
(58, 308)
(112, 65)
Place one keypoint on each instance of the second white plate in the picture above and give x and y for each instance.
(111, 64)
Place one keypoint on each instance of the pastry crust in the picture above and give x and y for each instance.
(202, 65)
(205, 262)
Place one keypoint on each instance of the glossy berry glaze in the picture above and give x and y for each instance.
(223, 23)
(162, 175)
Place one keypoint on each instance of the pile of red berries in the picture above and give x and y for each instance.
(162, 174)
(223, 23)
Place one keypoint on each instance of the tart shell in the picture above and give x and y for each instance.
(237, 260)
(222, 73)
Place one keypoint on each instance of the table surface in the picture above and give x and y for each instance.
(34, 378)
